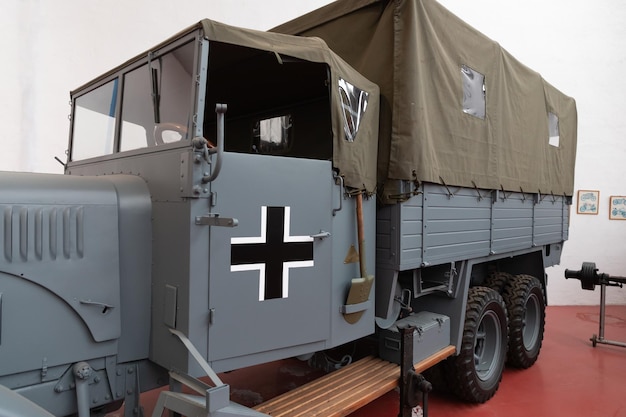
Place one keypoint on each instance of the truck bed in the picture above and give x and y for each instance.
(445, 224)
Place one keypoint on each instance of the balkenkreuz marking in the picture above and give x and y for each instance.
(273, 253)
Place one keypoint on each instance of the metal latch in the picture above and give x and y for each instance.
(215, 220)
(105, 307)
(321, 235)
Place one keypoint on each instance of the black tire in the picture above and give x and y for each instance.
(497, 281)
(525, 303)
(475, 374)
(436, 375)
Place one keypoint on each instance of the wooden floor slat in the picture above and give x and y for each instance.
(346, 390)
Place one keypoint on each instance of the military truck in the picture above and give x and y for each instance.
(226, 193)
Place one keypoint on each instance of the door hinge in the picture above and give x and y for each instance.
(211, 315)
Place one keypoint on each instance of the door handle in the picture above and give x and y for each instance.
(321, 235)
(340, 178)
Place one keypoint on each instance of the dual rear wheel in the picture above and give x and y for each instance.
(504, 322)
(525, 302)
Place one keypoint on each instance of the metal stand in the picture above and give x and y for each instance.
(414, 388)
(208, 401)
(589, 278)
(600, 339)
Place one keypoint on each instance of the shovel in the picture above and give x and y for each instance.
(360, 287)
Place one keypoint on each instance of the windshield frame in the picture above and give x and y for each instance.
(198, 91)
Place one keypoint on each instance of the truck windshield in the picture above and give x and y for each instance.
(156, 104)
(93, 122)
(157, 100)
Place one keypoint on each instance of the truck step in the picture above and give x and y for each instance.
(341, 392)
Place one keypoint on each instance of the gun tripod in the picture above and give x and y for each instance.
(589, 278)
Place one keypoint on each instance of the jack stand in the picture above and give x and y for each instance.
(600, 339)
(589, 278)
(414, 388)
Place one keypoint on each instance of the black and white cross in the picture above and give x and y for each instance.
(273, 253)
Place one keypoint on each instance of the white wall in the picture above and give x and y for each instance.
(49, 48)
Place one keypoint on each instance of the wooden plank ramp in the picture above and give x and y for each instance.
(339, 393)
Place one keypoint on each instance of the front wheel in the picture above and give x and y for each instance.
(526, 308)
(475, 374)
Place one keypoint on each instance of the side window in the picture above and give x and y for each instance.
(354, 104)
(93, 122)
(473, 92)
(156, 104)
(553, 127)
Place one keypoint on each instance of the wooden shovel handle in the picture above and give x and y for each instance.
(361, 234)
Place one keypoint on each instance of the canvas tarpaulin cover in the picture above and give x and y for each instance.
(424, 60)
(355, 158)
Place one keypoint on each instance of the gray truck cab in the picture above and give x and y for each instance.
(235, 133)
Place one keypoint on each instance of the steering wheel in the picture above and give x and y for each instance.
(162, 132)
(162, 136)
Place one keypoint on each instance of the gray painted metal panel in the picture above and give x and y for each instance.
(465, 223)
(399, 234)
(65, 253)
(412, 231)
(512, 223)
(549, 220)
(37, 341)
(456, 224)
(64, 258)
(171, 269)
(14, 405)
(245, 306)
(135, 243)
(385, 243)
(431, 334)
(168, 177)
(344, 235)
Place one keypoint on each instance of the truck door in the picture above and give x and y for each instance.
(269, 284)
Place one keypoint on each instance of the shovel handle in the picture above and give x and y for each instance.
(361, 234)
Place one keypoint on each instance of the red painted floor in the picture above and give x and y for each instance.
(571, 378)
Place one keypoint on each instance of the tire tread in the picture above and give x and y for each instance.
(515, 294)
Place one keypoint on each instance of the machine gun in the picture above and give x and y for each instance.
(589, 278)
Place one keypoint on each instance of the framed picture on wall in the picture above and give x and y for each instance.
(617, 207)
(588, 201)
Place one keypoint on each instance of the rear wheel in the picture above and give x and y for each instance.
(497, 281)
(526, 308)
(474, 375)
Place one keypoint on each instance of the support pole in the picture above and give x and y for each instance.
(414, 388)
(406, 366)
